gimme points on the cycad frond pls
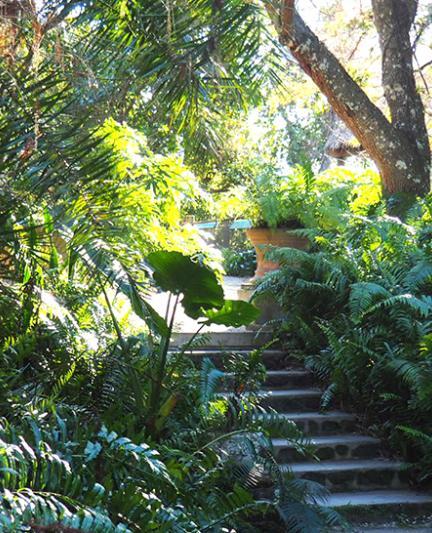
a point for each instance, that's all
(210, 377)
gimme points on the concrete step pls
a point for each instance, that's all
(295, 399)
(272, 359)
(276, 379)
(228, 338)
(331, 447)
(379, 498)
(298, 399)
(292, 378)
(325, 423)
(351, 467)
(390, 529)
(371, 506)
(366, 474)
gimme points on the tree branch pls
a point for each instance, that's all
(399, 159)
(422, 76)
(425, 65)
(348, 100)
(287, 16)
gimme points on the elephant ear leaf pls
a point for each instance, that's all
(234, 313)
(180, 274)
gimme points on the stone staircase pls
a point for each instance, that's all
(351, 465)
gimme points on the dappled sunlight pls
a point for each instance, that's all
(215, 266)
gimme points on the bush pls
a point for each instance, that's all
(241, 263)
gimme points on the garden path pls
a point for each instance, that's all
(364, 482)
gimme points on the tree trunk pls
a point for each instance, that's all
(393, 20)
(400, 148)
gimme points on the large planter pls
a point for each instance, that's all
(263, 238)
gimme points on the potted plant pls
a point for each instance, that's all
(276, 207)
(279, 206)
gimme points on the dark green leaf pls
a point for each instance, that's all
(234, 313)
(179, 274)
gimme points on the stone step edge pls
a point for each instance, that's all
(275, 393)
(287, 373)
(324, 467)
(246, 338)
(378, 498)
(202, 352)
(317, 415)
(328, 440)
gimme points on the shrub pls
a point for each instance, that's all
(240, 263)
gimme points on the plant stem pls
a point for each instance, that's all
(113, 318)
(186, 346)
(157, 385)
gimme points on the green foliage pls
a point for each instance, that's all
(103, 427)
(183, 71)
(81, 206)
(82, 453)
(111, 484)
(302, 199)
(202, 297)
(234, 313)
(360, 306)
(178, 274)
(240, 263)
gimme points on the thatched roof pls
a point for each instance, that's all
(341, 143)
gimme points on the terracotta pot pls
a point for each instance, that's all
(263, 238)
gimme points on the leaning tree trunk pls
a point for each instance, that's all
(399, 146)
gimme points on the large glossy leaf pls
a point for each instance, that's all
(234, 313)
(180, 274)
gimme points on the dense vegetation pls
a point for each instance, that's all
(359, 307)
(102, 429)
(118, 120)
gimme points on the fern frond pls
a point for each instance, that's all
(420, 306)
(328, 395)
(363, 295)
